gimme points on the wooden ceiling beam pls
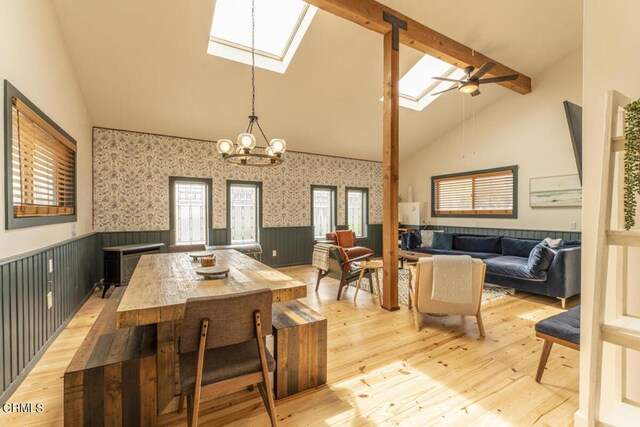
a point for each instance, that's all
(369, 14)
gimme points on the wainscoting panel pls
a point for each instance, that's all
(119, 238)
(218, 236)
(294, 246)
(373, 239)
(510, 232)
(27, 324)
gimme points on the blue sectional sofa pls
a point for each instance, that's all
(507, 262)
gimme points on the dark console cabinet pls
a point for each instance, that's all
(121, 261)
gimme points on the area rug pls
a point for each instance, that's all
(490, 293)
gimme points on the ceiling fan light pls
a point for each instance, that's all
(224, 146)
(469, 87)
(278, 145)
(246, 141)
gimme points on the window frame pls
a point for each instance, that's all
(365, 213)
(334, 213)
(172, 206)
(258, 186)
(12, 222)
(514, 213)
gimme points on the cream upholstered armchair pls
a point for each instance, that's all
(421, 286)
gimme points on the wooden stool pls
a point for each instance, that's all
(300, 348)
(374, 265)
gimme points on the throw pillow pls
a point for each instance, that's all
(540, 259)
(410, 240)
(427, 237)
(442, 241)
(490, 244)
(552, 243)
(345, 238)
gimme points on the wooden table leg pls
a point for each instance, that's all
(378, 286)
(358, 283)
(166, 366)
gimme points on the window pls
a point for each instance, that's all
(323, 210)
(40, 166)
(417, 85)
(486, 193)
(244, 213)
(280, 27)
(357, 210)
(190, 213)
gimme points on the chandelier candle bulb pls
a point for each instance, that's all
(224, 146)
(247, 141)
(278, 145)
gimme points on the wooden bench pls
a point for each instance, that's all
(111, 380)
(300, 346)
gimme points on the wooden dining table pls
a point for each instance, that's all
(162, 283)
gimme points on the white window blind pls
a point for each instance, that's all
(489, 193)
(43, 169)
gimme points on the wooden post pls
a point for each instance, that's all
(390, 162)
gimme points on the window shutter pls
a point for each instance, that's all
(489, 193)
(43, 166)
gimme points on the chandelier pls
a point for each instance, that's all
(245, 152)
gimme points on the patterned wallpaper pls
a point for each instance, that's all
(132, 170)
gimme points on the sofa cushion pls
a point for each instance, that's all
(540, 258)
(514, 266)
(357, 251)
(518, 247)
(565, 326)
(477, 243)
(442, 241)
(571, 243)
(479, 255)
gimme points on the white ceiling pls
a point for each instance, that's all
(142, 65)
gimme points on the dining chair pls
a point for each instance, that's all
(420, 293)
(222, 348)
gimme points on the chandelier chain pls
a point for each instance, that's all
(253, 57)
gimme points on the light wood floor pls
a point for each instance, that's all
(381, 371)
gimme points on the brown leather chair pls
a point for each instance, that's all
(343, 269)
(347, 240)
(222, 347)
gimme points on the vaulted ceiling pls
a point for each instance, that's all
(142, 65)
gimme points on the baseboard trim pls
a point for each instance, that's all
(579, 420)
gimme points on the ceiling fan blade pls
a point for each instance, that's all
(475, 92)
(443, 91)
(483, 70)
(444, 79)
(499, 79)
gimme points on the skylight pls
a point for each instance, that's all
(417, 84)
(280, 27)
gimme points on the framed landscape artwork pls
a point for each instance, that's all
(555, 191)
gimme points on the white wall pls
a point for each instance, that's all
(611, 46)
(33, 57)
(530, 131)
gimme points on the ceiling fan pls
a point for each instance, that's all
(471, 83)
